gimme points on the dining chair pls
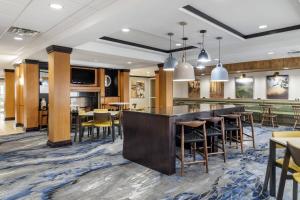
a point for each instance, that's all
(84, 123)
(291, 159)
(267, 115)
(103, 120)
(117, 122)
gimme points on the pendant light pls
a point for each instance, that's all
(203, 55)
(200, 65)
(184, 71)
(170, 62)
(219, 73)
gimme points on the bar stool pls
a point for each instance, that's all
(247, 121)
(268, 116)
(296, 110)
(233, 124)
(193, 137)
(215, 129)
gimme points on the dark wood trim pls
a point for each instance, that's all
(9, 70)
(43, 65)
(234, 31)
(19, 125)
(62, 49)
(160, 65)
(29, 61)
(16, 65)
(31, 129)
(59, 144)
(124, 70)
(142, 76)
(9, 118)
(144, 46)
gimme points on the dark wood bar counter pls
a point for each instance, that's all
(149, 136)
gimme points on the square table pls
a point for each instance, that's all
(271, 168)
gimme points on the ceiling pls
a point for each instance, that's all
(80, 24)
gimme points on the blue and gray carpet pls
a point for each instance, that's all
(96, 170)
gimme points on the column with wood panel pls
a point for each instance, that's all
(165, 88)
(30, 81)
(157, 89)
(9, 98)
(19, 103)
(124, 85)
(59, 133)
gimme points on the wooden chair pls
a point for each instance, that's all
(268, 116)
(103, 120)
(293, 165)
(84, 123)
(247, 121)
(196, 135)
(296, 110)
(233, 124)
(117, 122)
(215, 130)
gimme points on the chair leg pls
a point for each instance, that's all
(295, 124)
(283, 176)
(182, 151)
(272, 120)
(194, 150)
(295, 190)
(223, 148)
(252, 130)
(205, 148)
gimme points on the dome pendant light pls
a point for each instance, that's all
(203, 56)
(219, 73)
(184, 71)
(170, 62)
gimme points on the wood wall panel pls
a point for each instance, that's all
(157, 89)
(59, 99)
(165, 88)
(31, 95)
(217, 90)
(18, 115)
(9, 98)
(124, 86)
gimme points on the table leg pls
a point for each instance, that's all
(273, 168)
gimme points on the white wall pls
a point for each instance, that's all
(180, 89)
(141, 102)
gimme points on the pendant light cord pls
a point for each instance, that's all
(203, 40)
(219, 51)
(183, 41)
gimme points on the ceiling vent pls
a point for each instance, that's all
(294, 52)
(22, 31)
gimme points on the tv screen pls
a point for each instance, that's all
(82, 76)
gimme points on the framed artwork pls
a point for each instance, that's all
(194, 89)
(278, 87)
(244, 87)
(137, 89)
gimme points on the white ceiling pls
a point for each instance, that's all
(81, 23)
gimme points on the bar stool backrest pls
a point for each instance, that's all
(266, 109)
(295, 152)
(296, 110)
(102, 117)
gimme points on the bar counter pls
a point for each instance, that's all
(149, 136)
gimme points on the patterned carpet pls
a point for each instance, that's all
(96, 170)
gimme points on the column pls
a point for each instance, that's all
(59, 133)
(157, 89)
(19, 103)
(124, 85)
(9, 98)
(165, 88)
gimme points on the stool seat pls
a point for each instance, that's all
(192, 124)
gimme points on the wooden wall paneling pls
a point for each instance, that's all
(217, 90)
(17, 96)
(124, 86)
(165, 88)
(9, 97)
(157, 89)
(31, 95)
(101, 74)
(59, 133)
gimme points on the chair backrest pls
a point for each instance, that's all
(100, 110)
(295, 152)
(102, 117)
(296, 110)
(266, 109)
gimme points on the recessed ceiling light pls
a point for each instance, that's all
(56, 6)
(129, 62)
(271, 52)
(18, 38)
(263, 26)
(125, 30)
(178, 45)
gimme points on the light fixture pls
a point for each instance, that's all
(219, 73)
(56, 6)
(203, 55)
(271, 52)
(178, 44)
(263, 26)
(170, 62)
(18, 38)
(125, 30)
(184, 71)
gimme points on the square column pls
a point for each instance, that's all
(59, 96)
(165, 88)
(9, 98)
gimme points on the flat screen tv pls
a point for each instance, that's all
(83, 76)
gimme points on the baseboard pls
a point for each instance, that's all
(31, 129)
(9, 118)
(19, 125)
(59, 144)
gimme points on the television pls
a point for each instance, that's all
(83, 76)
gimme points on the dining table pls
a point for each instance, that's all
(90, 114)
(119, 105)
(270, 177)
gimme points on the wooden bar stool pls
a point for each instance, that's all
(268, 116)
(196, 135)
(215, 130)
(233, 123)
(296, 110)
(247, 121)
